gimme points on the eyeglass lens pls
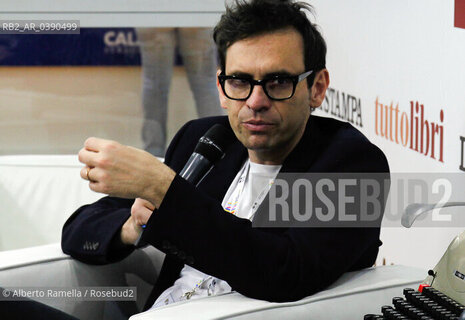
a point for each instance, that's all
(280, 88)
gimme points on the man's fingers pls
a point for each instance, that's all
(93, 144)
(92, 175)
(89, 173)
(130, 231)
(99, 145)
(89, 158)
(141, 210)
(83, 173)
(99, 152)
(146, 204)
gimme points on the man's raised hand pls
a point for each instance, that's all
(123, 171)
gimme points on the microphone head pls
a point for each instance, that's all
(214, 142)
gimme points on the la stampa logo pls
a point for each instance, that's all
(459, 21)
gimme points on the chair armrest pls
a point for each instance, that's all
(352, 296)
(47, 266)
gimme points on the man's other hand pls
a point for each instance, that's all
(141, 211)
(130, 231)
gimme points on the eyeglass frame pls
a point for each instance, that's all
(294, 78)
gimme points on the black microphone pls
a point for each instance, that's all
(209, 149)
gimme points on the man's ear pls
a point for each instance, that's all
(220, 91)
(318, 90)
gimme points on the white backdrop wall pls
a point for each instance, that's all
(387, 56)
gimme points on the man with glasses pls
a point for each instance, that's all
(272, 74)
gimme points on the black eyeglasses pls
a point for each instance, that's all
(276, 87)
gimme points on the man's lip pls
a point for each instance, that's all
(257, 125)
(257, 122)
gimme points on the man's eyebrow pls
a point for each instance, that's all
(282, 73)
(266, 76)
(241, 75)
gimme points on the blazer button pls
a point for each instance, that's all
(165, 245)
(190, 260)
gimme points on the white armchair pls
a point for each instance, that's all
(38, 193)
(352, 296)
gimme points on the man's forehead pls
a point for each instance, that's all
(275, 52)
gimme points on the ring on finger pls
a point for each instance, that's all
(87, 174)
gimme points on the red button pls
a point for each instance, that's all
(420, 288)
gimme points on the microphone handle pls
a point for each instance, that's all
(196, 168)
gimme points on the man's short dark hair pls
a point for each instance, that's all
(246, 18)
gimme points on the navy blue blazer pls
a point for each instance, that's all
(191, 227)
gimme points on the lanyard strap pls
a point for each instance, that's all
(232, 205)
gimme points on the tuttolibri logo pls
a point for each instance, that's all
(411, 130)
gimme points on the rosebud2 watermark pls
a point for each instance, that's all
(73, 293)
(363, 200)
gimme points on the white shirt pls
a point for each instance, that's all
(243, 197)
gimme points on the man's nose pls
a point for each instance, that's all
(258, 100)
